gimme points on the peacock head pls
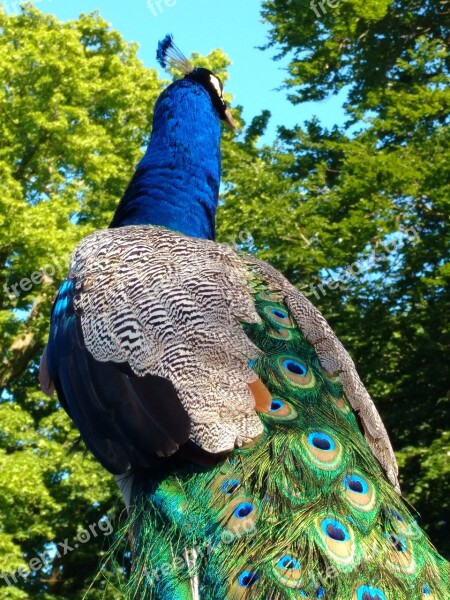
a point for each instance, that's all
(168, 55)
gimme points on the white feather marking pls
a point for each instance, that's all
(216, 84)
(190, 556)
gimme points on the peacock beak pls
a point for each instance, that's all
(229, 119)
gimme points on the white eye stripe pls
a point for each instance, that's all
(215, 83)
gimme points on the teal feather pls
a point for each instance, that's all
(306, 512)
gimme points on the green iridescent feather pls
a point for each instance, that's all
(307, 512)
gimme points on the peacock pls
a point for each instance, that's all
(252, 460)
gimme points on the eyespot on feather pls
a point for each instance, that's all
(243, 584)
(367, 592)
(334, 377)
(225, 488)
(281, 334)
(296, 371)
(427, 594)
(287, 569)
(281, 410)
(271, 296)
(341, 403)
(400, 554)
(278, 316)
(323, 450)
(359, 492)
(239, 517)
(318, 593)
(337, 538)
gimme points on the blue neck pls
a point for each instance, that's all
(176, 184)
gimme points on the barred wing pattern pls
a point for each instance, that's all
(173, 306)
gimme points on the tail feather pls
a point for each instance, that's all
(307, 512)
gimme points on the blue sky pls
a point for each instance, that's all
(200, 26)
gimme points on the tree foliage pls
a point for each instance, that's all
(359, 210)
(75, 106)
(367, 45)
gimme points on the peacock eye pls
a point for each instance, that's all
(288, 562)
(366, 592)
(356, 484)
(247, 579)
(321, 441)
(276, 405)
(335, 530)
(281, 314)
(243, 510)
(399, 543)
(230, 486)
(295, 367)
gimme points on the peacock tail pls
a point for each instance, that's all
(306, 513)
(302, 510)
